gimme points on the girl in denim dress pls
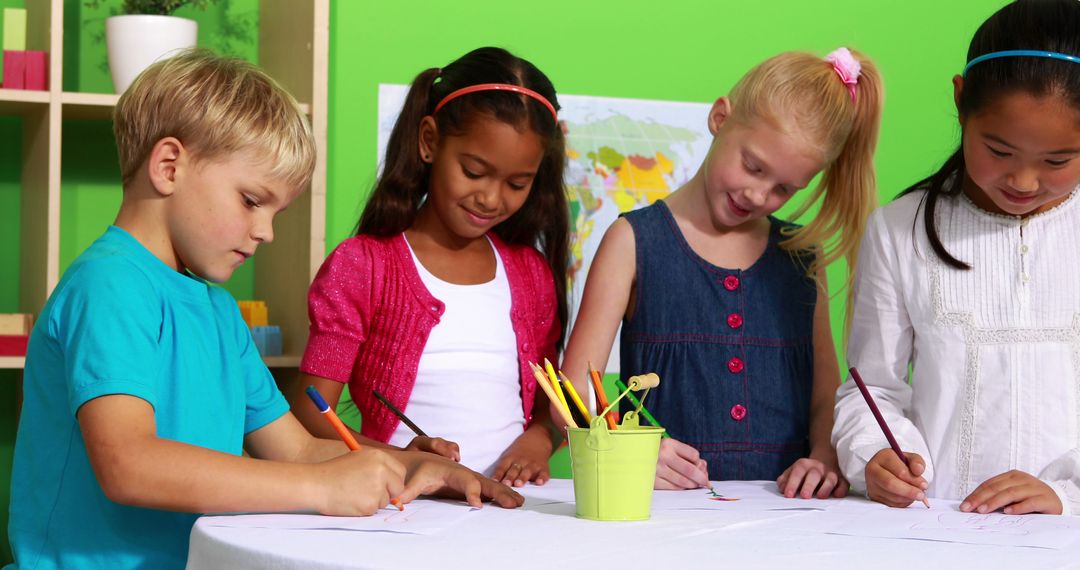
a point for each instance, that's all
(728, 304)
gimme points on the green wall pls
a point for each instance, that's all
(683, 50)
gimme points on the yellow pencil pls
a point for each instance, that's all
(543, 382)
(555, 383)
(574, 396)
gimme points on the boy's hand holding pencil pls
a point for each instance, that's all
(358, 483)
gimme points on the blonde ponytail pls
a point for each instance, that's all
(803, 94)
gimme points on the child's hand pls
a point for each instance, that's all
(680, 467)
(358, 483)
(890, 482)
(436, 445)
(525, 460)
(815, 476)
(1020, 493)
(430, 474)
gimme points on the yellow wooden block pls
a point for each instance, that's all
(16, 324)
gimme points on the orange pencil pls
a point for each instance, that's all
(601, 398)
(339, 427)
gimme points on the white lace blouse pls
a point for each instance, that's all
(994, 351)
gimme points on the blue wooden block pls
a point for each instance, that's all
(267, 340)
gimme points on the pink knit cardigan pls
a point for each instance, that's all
(371, 316)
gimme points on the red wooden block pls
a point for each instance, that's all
(37, 68)
(11, 345)
(14, 70)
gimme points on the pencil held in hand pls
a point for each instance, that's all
(401, 415)
(343, 432)
(881, 422)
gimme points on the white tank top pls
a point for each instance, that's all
(468, 386)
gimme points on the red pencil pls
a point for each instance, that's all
(881, 422)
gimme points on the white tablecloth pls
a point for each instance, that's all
(750, 534)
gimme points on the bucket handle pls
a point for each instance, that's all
(636, 383)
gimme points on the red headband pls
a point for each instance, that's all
(498, 87)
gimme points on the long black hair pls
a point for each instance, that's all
(1049, 25)
(544, 220)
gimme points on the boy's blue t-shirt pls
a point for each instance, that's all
(122, 322)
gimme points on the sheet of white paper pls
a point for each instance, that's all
(735, 496)
(944, 522)
(554, 491)
(422, 517)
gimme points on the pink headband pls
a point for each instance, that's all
(498, 87)
(847, 67)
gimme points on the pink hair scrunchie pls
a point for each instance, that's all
(847, 67)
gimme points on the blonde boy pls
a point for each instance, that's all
(142, 383)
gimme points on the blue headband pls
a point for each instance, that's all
(1019, 53)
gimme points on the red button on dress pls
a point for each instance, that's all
(734, 320)
(735, 365)
(738, 412)
(731, 283)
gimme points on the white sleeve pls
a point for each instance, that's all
(1063, 476)
(880, 348)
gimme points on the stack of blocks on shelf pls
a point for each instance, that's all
(15, 333)
(267, 338)
(22, 69)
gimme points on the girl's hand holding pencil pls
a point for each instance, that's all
(436, 445)
(429, 474)
(890, 482)
(680, 467)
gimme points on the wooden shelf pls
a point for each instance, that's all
(88, 105)
(17, 362)
(99, 106)
(22, 102)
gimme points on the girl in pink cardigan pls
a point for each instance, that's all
(441, 299)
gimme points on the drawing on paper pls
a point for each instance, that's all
(992, 523)
(712, 495)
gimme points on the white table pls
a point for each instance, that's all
(546, 534)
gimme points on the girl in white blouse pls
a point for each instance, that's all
(971, 279)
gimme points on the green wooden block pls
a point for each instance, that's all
(15, 29)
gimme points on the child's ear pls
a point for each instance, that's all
(719, 114)
(166, 158)
(429, 139)
(958, 90)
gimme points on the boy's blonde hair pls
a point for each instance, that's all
(215, 106)
(802, 94)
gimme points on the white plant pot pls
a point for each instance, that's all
(136, 41)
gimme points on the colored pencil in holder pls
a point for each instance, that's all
(555, 383)
(601, 398)
(542, 380)
(568, 387)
